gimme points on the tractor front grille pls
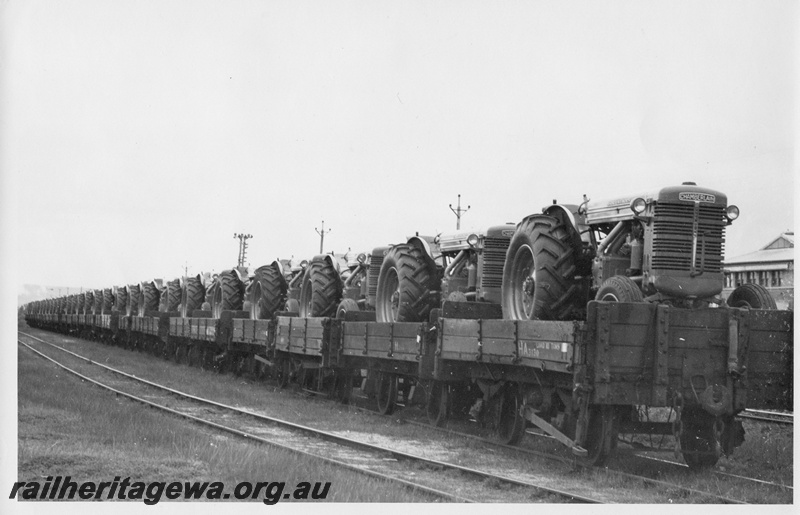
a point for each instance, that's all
(375, 262)
(494, 257)
(672, 237)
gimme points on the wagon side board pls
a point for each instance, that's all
(649, 354)
(505, 349)
(393, 347)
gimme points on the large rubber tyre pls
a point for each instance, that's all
(619, 289)
(267, 292)
(149, 298)
(108, 301)
(121, 300)
(229, 293)
(193, 294)
(171, 296)
(406, 283)
(88, 302)
(134, 294)
(751, 296)
(346, 306)
(321, 289)
(97, 307)
(539, 271)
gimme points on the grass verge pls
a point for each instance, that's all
(68, 428)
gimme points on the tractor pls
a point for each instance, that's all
(418, 275)
(329, 285)
(664, 247)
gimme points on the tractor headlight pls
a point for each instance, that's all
(472, 240)
(638, 205)
(732, 213)
(303, 263)
(362, 258)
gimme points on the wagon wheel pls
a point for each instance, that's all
(602, 434)
(237, 364)
(284, 372)
(181, 353)
(387, 392)
(343, 386)
(509, 424)
(192, 357)
(169, 349)
(438, 402)
(699, 444)
(405, 391)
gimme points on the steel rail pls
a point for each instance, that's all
(719, 473)
(243, 434)
(336, 438)
(767, 416)
(573, 461)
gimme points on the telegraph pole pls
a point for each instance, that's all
(242, 246)
(458, 212)
(321, 235)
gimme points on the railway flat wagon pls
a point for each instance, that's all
(585, 382)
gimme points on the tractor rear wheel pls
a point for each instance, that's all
(267, 293)
(193, 293)
(108, 301)
(149, 298)
(120, 301)
(752, 296)
(134, 295)
(229, 294)
(539, 271)
(171, 296)
(405, 284)
(321, 289)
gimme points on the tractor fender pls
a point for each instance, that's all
(567, 212)
(241, 273)
(278, 266)
(570, 215)
(423, 245)
(186, 278)
(331, 260)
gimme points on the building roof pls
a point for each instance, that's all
(781, 249)
(785, 240)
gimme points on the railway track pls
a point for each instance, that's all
(565, 462)
(774, 417)
(571, 462)
(410, 470)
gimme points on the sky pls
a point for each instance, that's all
(137, 137)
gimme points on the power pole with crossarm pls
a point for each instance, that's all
(458, 211)
(242, 246)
